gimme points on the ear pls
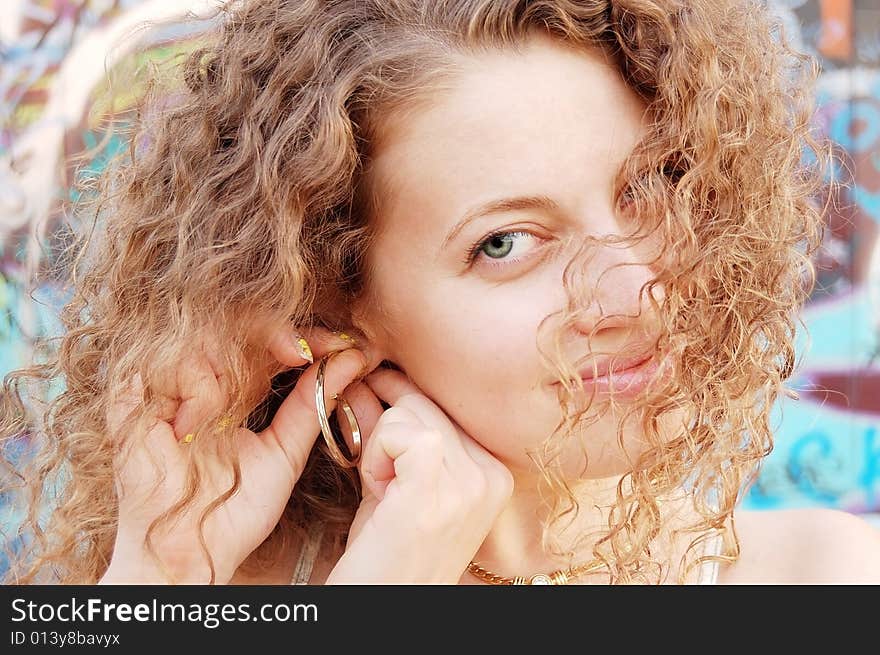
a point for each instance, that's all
(365, 319)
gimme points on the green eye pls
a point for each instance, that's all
(498, 246)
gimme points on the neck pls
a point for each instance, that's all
(514, 545)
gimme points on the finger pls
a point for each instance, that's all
(295, 425)
(322, 342)
(128, 400)
(200, 395)
(397, 389)
(211, 349)
(417, 456)
(408, 454)
(144, 448)
(367, 410)
(376, 467)
(129, 403)
(391, 385)
(296, 347)
(376, 470)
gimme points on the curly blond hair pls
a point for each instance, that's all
(246, 193)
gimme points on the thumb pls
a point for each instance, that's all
(295, 425)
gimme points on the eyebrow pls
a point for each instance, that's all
(518, 203)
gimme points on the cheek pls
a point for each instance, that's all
(460, 346)
(475, 355)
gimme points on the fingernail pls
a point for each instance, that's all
(346, 337)
(189, 437)
(303, 347)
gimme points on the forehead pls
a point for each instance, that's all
(546, 120)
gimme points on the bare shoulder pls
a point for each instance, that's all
(804, 546)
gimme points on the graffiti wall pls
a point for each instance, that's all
(828, 442)
(53, 59)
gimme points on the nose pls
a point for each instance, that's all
(608, 292)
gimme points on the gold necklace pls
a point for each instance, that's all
(562, 576)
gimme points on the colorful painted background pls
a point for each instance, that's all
(53, 56)
(828, 443)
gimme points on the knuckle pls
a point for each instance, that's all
(431, 439)
(415, 402)
(499, 490)
(503, 482)
(478, 485)
(396, 413)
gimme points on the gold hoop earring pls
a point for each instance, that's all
(332, 447)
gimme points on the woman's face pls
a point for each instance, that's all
(527, 144)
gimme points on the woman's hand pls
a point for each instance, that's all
(430, 492)
(152, 468)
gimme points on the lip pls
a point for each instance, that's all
(628, 377)
(603, 367)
